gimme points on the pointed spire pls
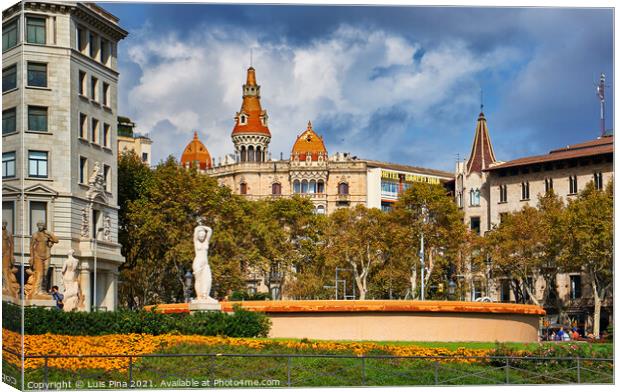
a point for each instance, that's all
(251, 78)
(482, 155)
(251, 119)
(309, 125)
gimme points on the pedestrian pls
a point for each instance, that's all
(575, 334)
(58, 297)
(560, 334)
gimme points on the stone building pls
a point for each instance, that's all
(331, 182)
(59, 143)
(130, 140)
(486, 189)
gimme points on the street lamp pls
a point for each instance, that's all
(488, 264)
(451, 288)
(188, 285)
(424, 220)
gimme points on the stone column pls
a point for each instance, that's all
(111, 285)
(86, 289)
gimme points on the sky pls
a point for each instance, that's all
(399, 84)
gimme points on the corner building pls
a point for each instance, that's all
(59, 138)
(331, 182)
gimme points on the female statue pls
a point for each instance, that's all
(202, 271)
(70, 278)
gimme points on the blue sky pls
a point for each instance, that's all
(399, 84)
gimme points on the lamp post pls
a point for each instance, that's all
(488, 265)
(424, 220)
(188, 285)
(451, 289)
(94, 304)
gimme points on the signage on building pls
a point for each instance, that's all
(407, 177)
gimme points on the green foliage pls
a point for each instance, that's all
(38, 320)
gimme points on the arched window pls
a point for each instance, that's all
(343, 188)
(312, 187)
(242, 119)
(258, 154)
(304, 186)
(320, 210)
(244, 154)
(474, 197)
(296, 186)
(251, 154)
(276, 188)
(320, 187)
(243, 188)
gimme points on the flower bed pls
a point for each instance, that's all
(138, 344)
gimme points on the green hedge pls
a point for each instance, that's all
(241, 323)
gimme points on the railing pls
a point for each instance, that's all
(200, 370)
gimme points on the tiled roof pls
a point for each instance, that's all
(604, 145)
(196, 153)
(251, 110)
(309, 143)
(482, 155)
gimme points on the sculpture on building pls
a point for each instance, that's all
(84, 223)
(41, 244)
(107, 228)
(200, 266)
(73, 296)
(10, 286)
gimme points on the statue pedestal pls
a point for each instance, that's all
(205, 305)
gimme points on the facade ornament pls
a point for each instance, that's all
(84, 223)
(10, 286)
(96, 183)
(107, 227)
(40, 253)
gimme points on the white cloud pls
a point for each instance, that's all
(195, 84)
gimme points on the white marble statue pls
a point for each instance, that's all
(202, 271)
(73, 297)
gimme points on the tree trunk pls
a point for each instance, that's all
(597, 309)
(414, 282)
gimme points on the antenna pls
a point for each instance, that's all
(600, 92)
(481, 100)
(250, 57)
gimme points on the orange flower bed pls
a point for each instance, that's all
(138, 344)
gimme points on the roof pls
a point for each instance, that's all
(411, 169)
(196, 153)
(309, 143)
(482, 155)
(251, 118)
(600, 146)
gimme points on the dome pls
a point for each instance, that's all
(309, 143)
(251, 119)
(196, 155)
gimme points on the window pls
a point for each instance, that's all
(320, 210)
(8, 121)
(505, 291)
(242, 119)
(525, 190)
(105, 51)
(37, 118)
(320, 186)
(572, 185)
(35, 30)
(9, 78)
(83, 169)
(474, 197)
(82, 83)
(106, 135)
(296, 186)
(83, 125)
(575, 286)
(304, 186)
(243, 188)
(9, 35)
(37, 74)
(276, 189)
(474, 224)
(96, 223)
(107, 178)
(477, 290)
(37, 164)
(503, 193)
(94, 131)
(80, 39)
(312, 186)
(94, 84)
(548, 185)
(343, 188)
(598, 180)
(8, 215)
(502, 216)
(8, 164)
(389, 188)
(94, 50)
(38, 213)
(106, 90)
(145, 157)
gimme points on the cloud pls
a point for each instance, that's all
(367, 92)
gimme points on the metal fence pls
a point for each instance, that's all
(199, 370)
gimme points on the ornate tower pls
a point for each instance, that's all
(196, 155)
(251, 135)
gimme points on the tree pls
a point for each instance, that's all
(589, 242)
(427, 208)
(356, 238)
